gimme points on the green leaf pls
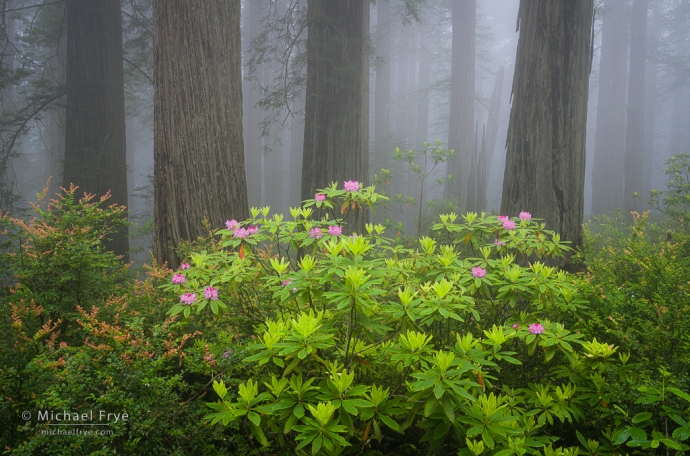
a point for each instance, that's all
(258, 433)
(448, 409)
(642, 416)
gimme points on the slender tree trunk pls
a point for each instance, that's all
(545, 160)
(634, 143)
(462, 91)
(252, 114)
(489, 137)
(198, 149)
(95, 142)
(336, 124)
(482, 173)
(54, 137)
(654, 34)
(296, 150)
(609, 139)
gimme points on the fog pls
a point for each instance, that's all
(410, 78)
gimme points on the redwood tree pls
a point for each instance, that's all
(545, 160)
(634, 144)
(461, 127)
(609, 138)
(95, 154)
(336, 123)
(198, 150)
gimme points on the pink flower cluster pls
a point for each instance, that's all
(526, 216)
(508, 225)
(351, 186)
(184, 266)
(243, 233)
(320, 197)
(211, 293)
(536, 328)
(478, 272)
(315, 233)
(178, 279)
(188, 298)
(335, 230)
(498, 243)
(286, 283)
(232, 224)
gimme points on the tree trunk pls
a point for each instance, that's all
(198, 154)
(651, 95)
(545, 160)
(54, 137)
(252, 114)
(634, 143)
(609, 138)
(462, 90)
(489, 137)
(95, 142)
(336, 124)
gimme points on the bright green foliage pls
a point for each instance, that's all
(365, 342)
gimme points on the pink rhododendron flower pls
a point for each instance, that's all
(508, 225)
(320, 197)
(315, 233)
(499, 243)
(536, 328)
(178, 279)
(335, 230)
(232, 224)
(211, 293)
(188, 298)
(478, 272)
(184, 266)
(503, 218)
(516, 326)
(253, 230)
(526, 216)
(286, 283)
(241, 233)
(351, 186)
(227, 353)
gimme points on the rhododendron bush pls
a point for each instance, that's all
(351, 342)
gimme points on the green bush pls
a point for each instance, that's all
(355, 344)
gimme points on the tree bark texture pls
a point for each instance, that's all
(198, 149)
(462, 92)
(609, 137)
(545, 160)
(634, 143)
(336, 124)
(95, 141)
(252, 114)
(489, 137)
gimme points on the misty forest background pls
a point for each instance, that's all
(520, 287)
(636, 111)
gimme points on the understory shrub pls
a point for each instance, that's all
(358, 345)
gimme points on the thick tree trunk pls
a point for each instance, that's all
(336, 125)
(462, 91)
(609, 138)
(252, 114)
(198, 150)
(95, 142)
(545, 160)
(634, 136)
